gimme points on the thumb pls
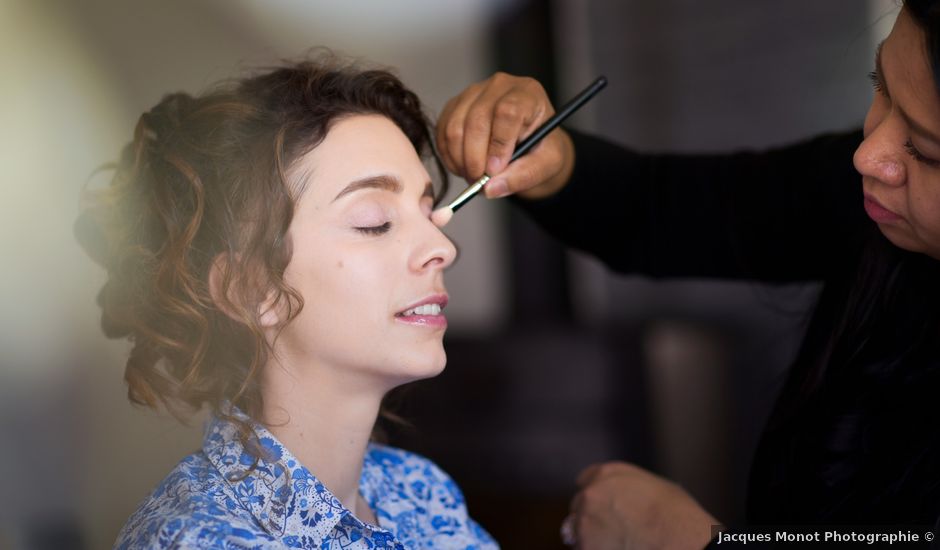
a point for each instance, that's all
(523, 174)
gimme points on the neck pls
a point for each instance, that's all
(324, 424)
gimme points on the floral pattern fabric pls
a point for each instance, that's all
(212, 501)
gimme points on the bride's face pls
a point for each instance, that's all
(366, 259)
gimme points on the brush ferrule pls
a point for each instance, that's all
(468, 193)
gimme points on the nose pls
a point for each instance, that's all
(436, 250)
(881, 155)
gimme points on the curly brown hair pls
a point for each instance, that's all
(204, 186)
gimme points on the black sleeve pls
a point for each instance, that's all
(780, 215)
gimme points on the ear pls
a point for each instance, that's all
(267, 311)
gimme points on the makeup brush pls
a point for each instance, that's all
(443, 215)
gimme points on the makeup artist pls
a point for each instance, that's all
(854, 437)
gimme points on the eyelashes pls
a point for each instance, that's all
(918, 156)
(375, 229)
(876, 82)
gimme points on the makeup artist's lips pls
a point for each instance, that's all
(427, 312)
(879, 213)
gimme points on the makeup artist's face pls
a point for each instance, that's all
(364, 255)
(900, 157)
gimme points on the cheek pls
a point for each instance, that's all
(351, 287)
(345, 309)
(924, 205)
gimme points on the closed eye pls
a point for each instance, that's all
(918, 156)
(375, 229)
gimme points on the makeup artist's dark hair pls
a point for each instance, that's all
(873, 349)
(203, 187)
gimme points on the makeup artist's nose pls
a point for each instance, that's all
(881, 155)
(435, 250)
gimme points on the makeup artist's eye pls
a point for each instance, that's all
(918, 156)
(375, 229)
(876, 82)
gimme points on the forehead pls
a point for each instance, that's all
(908, 69)
(357, 147)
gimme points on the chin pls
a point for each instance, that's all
(435, 365)
(425, 365)
(902, 239)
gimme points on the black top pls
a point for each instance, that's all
(855, 434)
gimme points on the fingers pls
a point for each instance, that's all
(540, 165)
(515, 115)
(479, 129)
(450, 129)
(502, 115)
(477, 134)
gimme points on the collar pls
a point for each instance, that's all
(280, 492)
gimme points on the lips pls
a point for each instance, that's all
(439, 300)
(877, 212)
(425, 312)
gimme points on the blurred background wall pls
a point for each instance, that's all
(554, 362)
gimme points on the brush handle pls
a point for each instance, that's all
(566, 110)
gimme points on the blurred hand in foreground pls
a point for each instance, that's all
(621, 506)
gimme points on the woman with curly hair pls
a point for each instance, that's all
(270, 256)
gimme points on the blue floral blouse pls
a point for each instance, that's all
(207, 501)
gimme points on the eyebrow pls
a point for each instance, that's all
(385, 182)
(880, 75)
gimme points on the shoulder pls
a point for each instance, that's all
(395, 458)
(192, 507)
(419, 471)
(445, 521)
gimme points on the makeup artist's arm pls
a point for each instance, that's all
(786, 214)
